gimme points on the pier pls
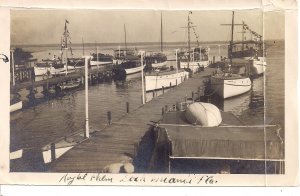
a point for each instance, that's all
(120, 142)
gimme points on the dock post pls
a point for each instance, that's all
(170, 84)
(192, 95)
(162, 111)
(214, 58)
(153, 93)
(127, 107)
(166, 108)
(109, 117)
(52, 147)
(163, 89)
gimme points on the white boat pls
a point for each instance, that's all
(164, 79)
(251, 50)
(196, 58)
(101, 59)
(16, 106)
(160, 64)
(58, 153)
(134, 70)
(69, 85)
(15, 102)
(62, 70)
(230, 85)
(194, 65)
(16, 154)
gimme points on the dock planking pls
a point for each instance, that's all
(118, 143)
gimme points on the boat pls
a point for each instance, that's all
(157, 59)
(42, 68)
(131, 66)
(69, 85)
(195, 59)
(198, 60)
(164, 79)
(251, 51)
(15, 103)
(228, 84)
(101, 59)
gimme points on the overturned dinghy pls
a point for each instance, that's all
(204, 114)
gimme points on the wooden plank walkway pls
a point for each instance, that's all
(118, 142)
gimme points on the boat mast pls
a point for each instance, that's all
(243, 34)
(125, 38)
(231, 42)
(82, 47)
(161, 33)
(189, 40)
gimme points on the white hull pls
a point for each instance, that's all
(16, 154)
(94, 63)
(69, 86)
(134, 70)
(162, 64)
(58, 153)
(63, 71)
(226, 88)
(194, 65)
(16, 106)
(259, 67)
(118, 61)
(40, 71)
(154, 82)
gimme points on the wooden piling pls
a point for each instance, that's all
(52, 149)
(109, 117)
(176, 82)
(162, 111)
(127, 107)
(170, 84)
(192, 95)
(163, 89)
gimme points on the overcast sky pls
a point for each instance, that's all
(47, 26)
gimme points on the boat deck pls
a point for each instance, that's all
(119, 142)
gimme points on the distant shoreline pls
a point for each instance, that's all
(132, 44)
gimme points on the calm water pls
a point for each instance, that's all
(59, 117)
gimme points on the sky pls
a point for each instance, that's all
(47, 26)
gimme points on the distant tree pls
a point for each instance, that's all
(20, 56)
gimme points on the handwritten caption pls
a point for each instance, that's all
(69, 179)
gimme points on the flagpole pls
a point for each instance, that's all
(176, 51)
(13, 68)
(143, 91)
(87, 131)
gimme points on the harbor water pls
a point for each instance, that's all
(61, 116)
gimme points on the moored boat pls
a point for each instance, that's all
(101, 59)
(69, 85)
(164, 79)
(15, 103)
(251, 51)
(230, 85)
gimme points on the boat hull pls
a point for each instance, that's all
(155, 82)
(227, 87)
(16, 106)
(161, 64)
(40, 71)
(134, 70)
(95, 63)
(194, 65)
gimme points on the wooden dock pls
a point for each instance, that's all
(94, 74)
(120, 142)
